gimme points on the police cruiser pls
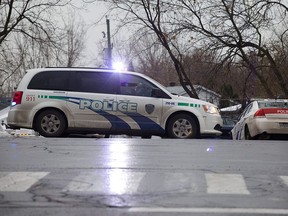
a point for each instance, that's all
(59, 101)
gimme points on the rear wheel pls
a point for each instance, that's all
(51, 123)
(182, 126)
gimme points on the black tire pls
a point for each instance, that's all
(247, 135)
(51, 123)
(182, 126)
(146, 136)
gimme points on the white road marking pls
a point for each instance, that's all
(284, 179)
(211, 210)
(110, 182)
(225, 184)
(19, 181)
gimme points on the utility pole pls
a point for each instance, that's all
(109, 50)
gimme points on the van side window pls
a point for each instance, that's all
(134, 85)
(51, 80)
(96, 82)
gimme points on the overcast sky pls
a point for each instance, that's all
(94, 16)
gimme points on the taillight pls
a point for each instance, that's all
(259, 113)
(17, 98)
(270, 111)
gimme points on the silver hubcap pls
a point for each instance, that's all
(182, 128)
(50, 123)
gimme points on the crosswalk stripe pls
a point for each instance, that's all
(112, 182)
(246, 211)
(19, 181)
(117, 181)
(284, 179)
(225, 184)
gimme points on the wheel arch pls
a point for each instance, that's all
(48, 108)
(184, 112)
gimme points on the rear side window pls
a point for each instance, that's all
(51, 80)
(80, 81)
(95, 82)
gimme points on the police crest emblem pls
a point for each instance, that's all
(149, 108)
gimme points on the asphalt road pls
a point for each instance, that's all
(116, 176)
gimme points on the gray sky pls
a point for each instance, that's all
(94, 17)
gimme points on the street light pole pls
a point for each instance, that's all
(109, 51)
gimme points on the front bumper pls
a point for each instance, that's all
(213, 125)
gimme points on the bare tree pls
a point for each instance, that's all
(40, 47)
(8, 68)
(147, 57)
(239, 27)
(68, 49)
(233, 28)
(153, 16)
(71, 43)
(19, 16)
(154, 61)
(20, 21)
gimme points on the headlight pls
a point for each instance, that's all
(210, 109)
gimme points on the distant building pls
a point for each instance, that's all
(203, 93)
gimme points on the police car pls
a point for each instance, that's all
(59, 101)
(262, 119)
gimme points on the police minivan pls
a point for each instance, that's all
(59, 101)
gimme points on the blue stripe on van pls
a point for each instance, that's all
(145, 123)
(115, 121)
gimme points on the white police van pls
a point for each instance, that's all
(59, 101)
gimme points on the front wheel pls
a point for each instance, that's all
(51, 123)
(182, 126)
